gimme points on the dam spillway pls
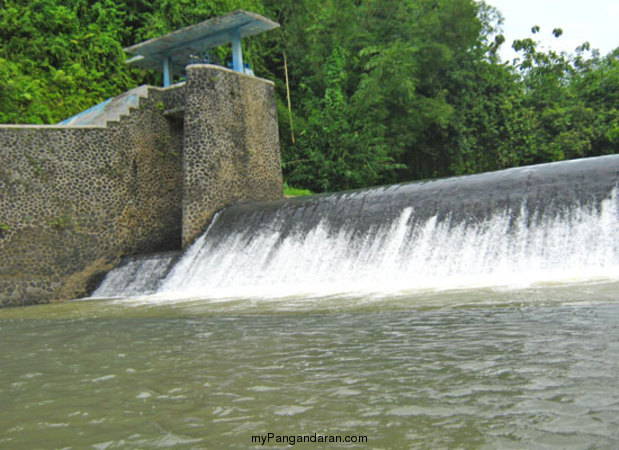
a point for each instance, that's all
(551, 223)
(379, 313)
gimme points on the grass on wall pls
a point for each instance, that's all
(290, 191)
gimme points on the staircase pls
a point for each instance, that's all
(111, 109)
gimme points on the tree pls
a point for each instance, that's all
(382, 90)
(59, 57)
(571, 100)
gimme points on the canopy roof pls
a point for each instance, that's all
(180, 45)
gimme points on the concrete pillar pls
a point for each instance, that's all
(167, 73)
(237, 51)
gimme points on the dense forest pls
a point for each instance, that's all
(381, 90)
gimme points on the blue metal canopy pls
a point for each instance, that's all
(172, 52)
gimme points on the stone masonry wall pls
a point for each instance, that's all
(231, 149)
(73, 199)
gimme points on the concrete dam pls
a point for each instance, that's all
(195, 165)
(527, 226)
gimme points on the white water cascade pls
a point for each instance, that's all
(402, 239)
(396, 257)
(137, 275)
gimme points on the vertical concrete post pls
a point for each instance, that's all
(167, 74)
(237, 51)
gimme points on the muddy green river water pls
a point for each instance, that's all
(535, 368)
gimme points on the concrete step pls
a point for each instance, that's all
(110, 110)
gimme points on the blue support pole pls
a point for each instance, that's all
(237, 52)
(167, 76)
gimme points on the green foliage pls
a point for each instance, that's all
(572, 101)
(338, 148)
(295, 192)
(381, 90)
(60, 57)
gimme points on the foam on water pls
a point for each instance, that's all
(401, 257)
(137, 275)
(544, 225)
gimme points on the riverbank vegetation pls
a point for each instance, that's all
(381, 91)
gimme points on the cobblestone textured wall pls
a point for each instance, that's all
(231, 150)
(73, 199)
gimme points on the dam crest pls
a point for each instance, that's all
(521, 227)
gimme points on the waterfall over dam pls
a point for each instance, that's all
(550, 223)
